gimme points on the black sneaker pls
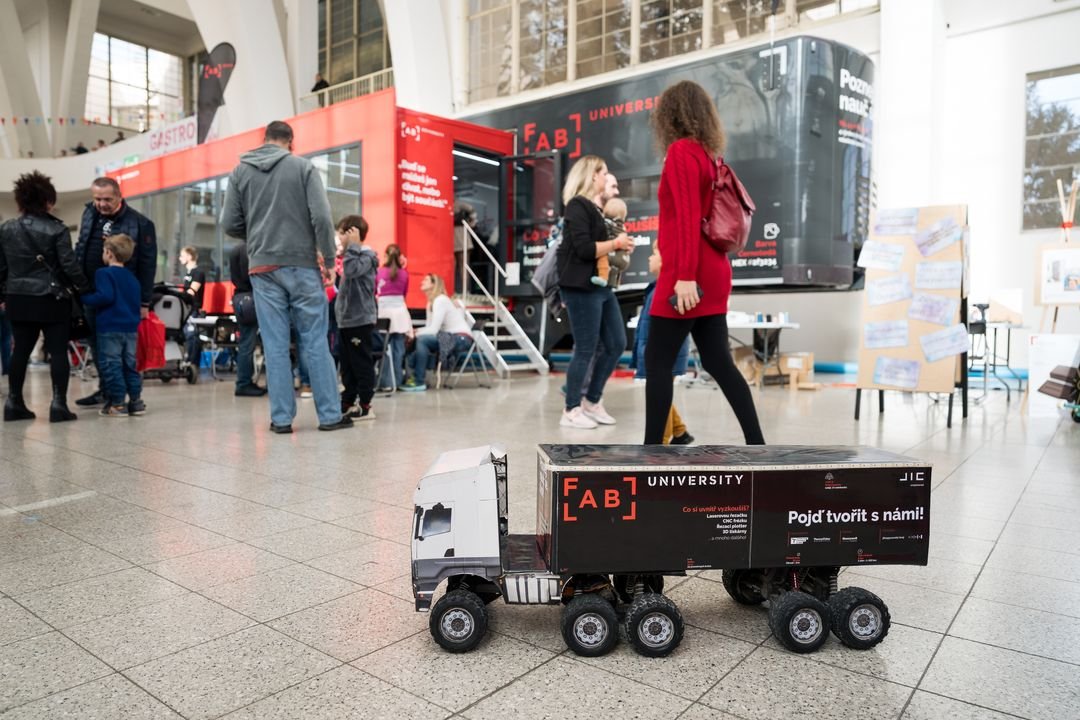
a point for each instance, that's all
(344, 422)
(684, 439)
(136, 407)
(249, 391)
(281, 429)
(98, 398)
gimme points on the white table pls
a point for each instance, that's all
(763, 327)
(990, 357)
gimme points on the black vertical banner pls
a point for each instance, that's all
(213, 77)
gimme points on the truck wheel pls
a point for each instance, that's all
(799, 621)
(459, 621)
(589, 625)
(859, 618)
(654, 625)
(741, 586)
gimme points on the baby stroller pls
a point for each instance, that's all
(173, 307)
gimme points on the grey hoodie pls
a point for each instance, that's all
(276, 201)
(355, 304)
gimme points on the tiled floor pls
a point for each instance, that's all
(190, 564)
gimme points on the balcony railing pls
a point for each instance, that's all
(348, 90)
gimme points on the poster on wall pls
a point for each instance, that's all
(1058, 279)
(912, 336)
(425, 190)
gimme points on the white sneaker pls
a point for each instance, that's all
(576, 418)
(596, 412)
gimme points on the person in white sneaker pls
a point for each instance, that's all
(595, 319)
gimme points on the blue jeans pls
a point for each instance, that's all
(294, 296)
(245, 355)
(597, 326)
(391, 374)
(116, 363)
(682, 360)
(426, 353)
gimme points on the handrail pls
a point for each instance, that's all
(466, 272)
(364, 85)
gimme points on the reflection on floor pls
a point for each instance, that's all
(188, 563)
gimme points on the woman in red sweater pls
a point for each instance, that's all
(692, 290)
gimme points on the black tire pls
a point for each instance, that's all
(589, 625)
(741, 587)
(166, 379)
(859, 618)
(459, 621)
(799, 621)
(653, 624)
(191, 374)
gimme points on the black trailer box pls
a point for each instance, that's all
(668, 509)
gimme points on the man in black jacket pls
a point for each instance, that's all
(108, 214)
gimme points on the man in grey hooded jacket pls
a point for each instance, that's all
(276, 201)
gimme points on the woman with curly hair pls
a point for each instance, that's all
(692, 290)
(35, 255)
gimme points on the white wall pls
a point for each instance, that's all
(983, 120)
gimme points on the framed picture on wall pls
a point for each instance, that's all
(1057, 279)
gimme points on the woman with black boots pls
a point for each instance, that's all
(38, 271)
(692, 290)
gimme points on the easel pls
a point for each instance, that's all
(1068, 212)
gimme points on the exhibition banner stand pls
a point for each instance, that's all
(914, 318)
(1057, 280)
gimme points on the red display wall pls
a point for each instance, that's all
(406, 172)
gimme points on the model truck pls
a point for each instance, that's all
(614, 520)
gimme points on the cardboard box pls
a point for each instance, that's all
(799, 364)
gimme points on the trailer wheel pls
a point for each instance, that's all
(654, 625)
(459, 621)
(859, 618)
(191, 374)
(589, 625)
(741, 587)
(799, 621)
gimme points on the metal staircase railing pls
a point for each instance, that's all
(512, 333)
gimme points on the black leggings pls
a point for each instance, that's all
(357, 364)
(56, 341)
(666, 336)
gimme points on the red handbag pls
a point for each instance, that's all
(727, 226)
(150, 344)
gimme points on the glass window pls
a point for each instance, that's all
(352, 39)
(603, 36)
(200, 227)
(542, 41)
(436, 521)
(132, 86)
(1052, 143)
(491, 37)
(340, 171)
(165, 212)
(669, 27)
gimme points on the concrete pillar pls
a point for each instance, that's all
(302, 44)
(909, 90)
(422, 61)
(70, 98)
(259, 90)
(18, 75)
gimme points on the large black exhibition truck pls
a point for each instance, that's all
(797, 114)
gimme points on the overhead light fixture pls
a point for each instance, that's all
(477, 158)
